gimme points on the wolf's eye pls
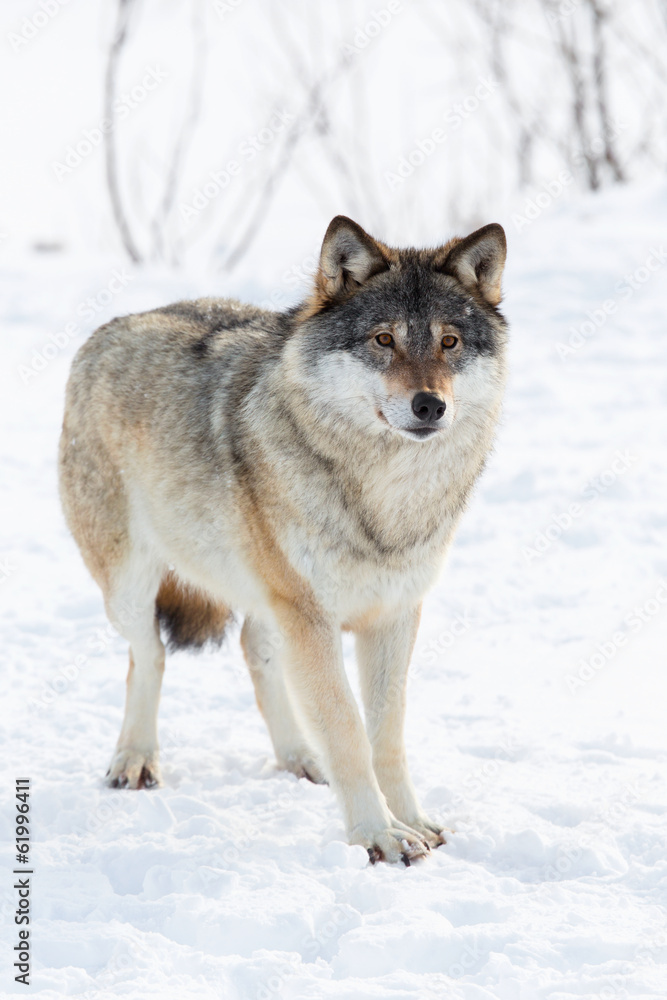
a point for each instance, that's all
(385, 339)
(449, 341)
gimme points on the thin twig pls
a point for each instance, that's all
(184, 139)
(600, 77)
(119, 40)
(308, 117)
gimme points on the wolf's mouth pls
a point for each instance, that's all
(416, 433)
(422, 432)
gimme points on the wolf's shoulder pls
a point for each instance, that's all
(213, 327)
(199, 330)
(197, 324)
(215, 313)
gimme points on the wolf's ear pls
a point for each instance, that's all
(478, 261)
(349, 257)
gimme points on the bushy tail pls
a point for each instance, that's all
(189, 617)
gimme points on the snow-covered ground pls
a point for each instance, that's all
(536, 723)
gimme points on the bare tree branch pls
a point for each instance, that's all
(572, 61)
(119, 40)
(322, 122)
(528, 127)
(186, 133)
(600, 76)
(308, 118)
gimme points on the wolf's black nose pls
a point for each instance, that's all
(428, 407)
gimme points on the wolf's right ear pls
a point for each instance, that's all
(349, 257)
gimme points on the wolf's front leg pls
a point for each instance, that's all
(313, 665)
(383, 654)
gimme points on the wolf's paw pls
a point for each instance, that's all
(432, 832)
(392, 844)
(303, 763)
(132, 768)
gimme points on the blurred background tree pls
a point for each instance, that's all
(266, 119)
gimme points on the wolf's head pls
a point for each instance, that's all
(403, 341)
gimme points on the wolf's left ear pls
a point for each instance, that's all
(478, 261)
(349, 257)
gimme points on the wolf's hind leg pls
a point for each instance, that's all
(260, 647)
(131, 610)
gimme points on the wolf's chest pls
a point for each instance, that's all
(352, 586)
(355, 568)
(375, 536)
(393, 514)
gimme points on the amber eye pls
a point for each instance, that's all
(385, 339)
(449, 341)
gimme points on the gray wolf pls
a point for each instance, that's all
(305, 469)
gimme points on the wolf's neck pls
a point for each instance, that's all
(405, 494)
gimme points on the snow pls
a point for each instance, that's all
(545, 753)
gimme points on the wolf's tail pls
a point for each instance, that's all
(189, 617)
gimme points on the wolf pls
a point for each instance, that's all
(306, 470)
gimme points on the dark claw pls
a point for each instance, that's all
(375, 855)
(146, 779)
(410, 855)
(310, 777)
